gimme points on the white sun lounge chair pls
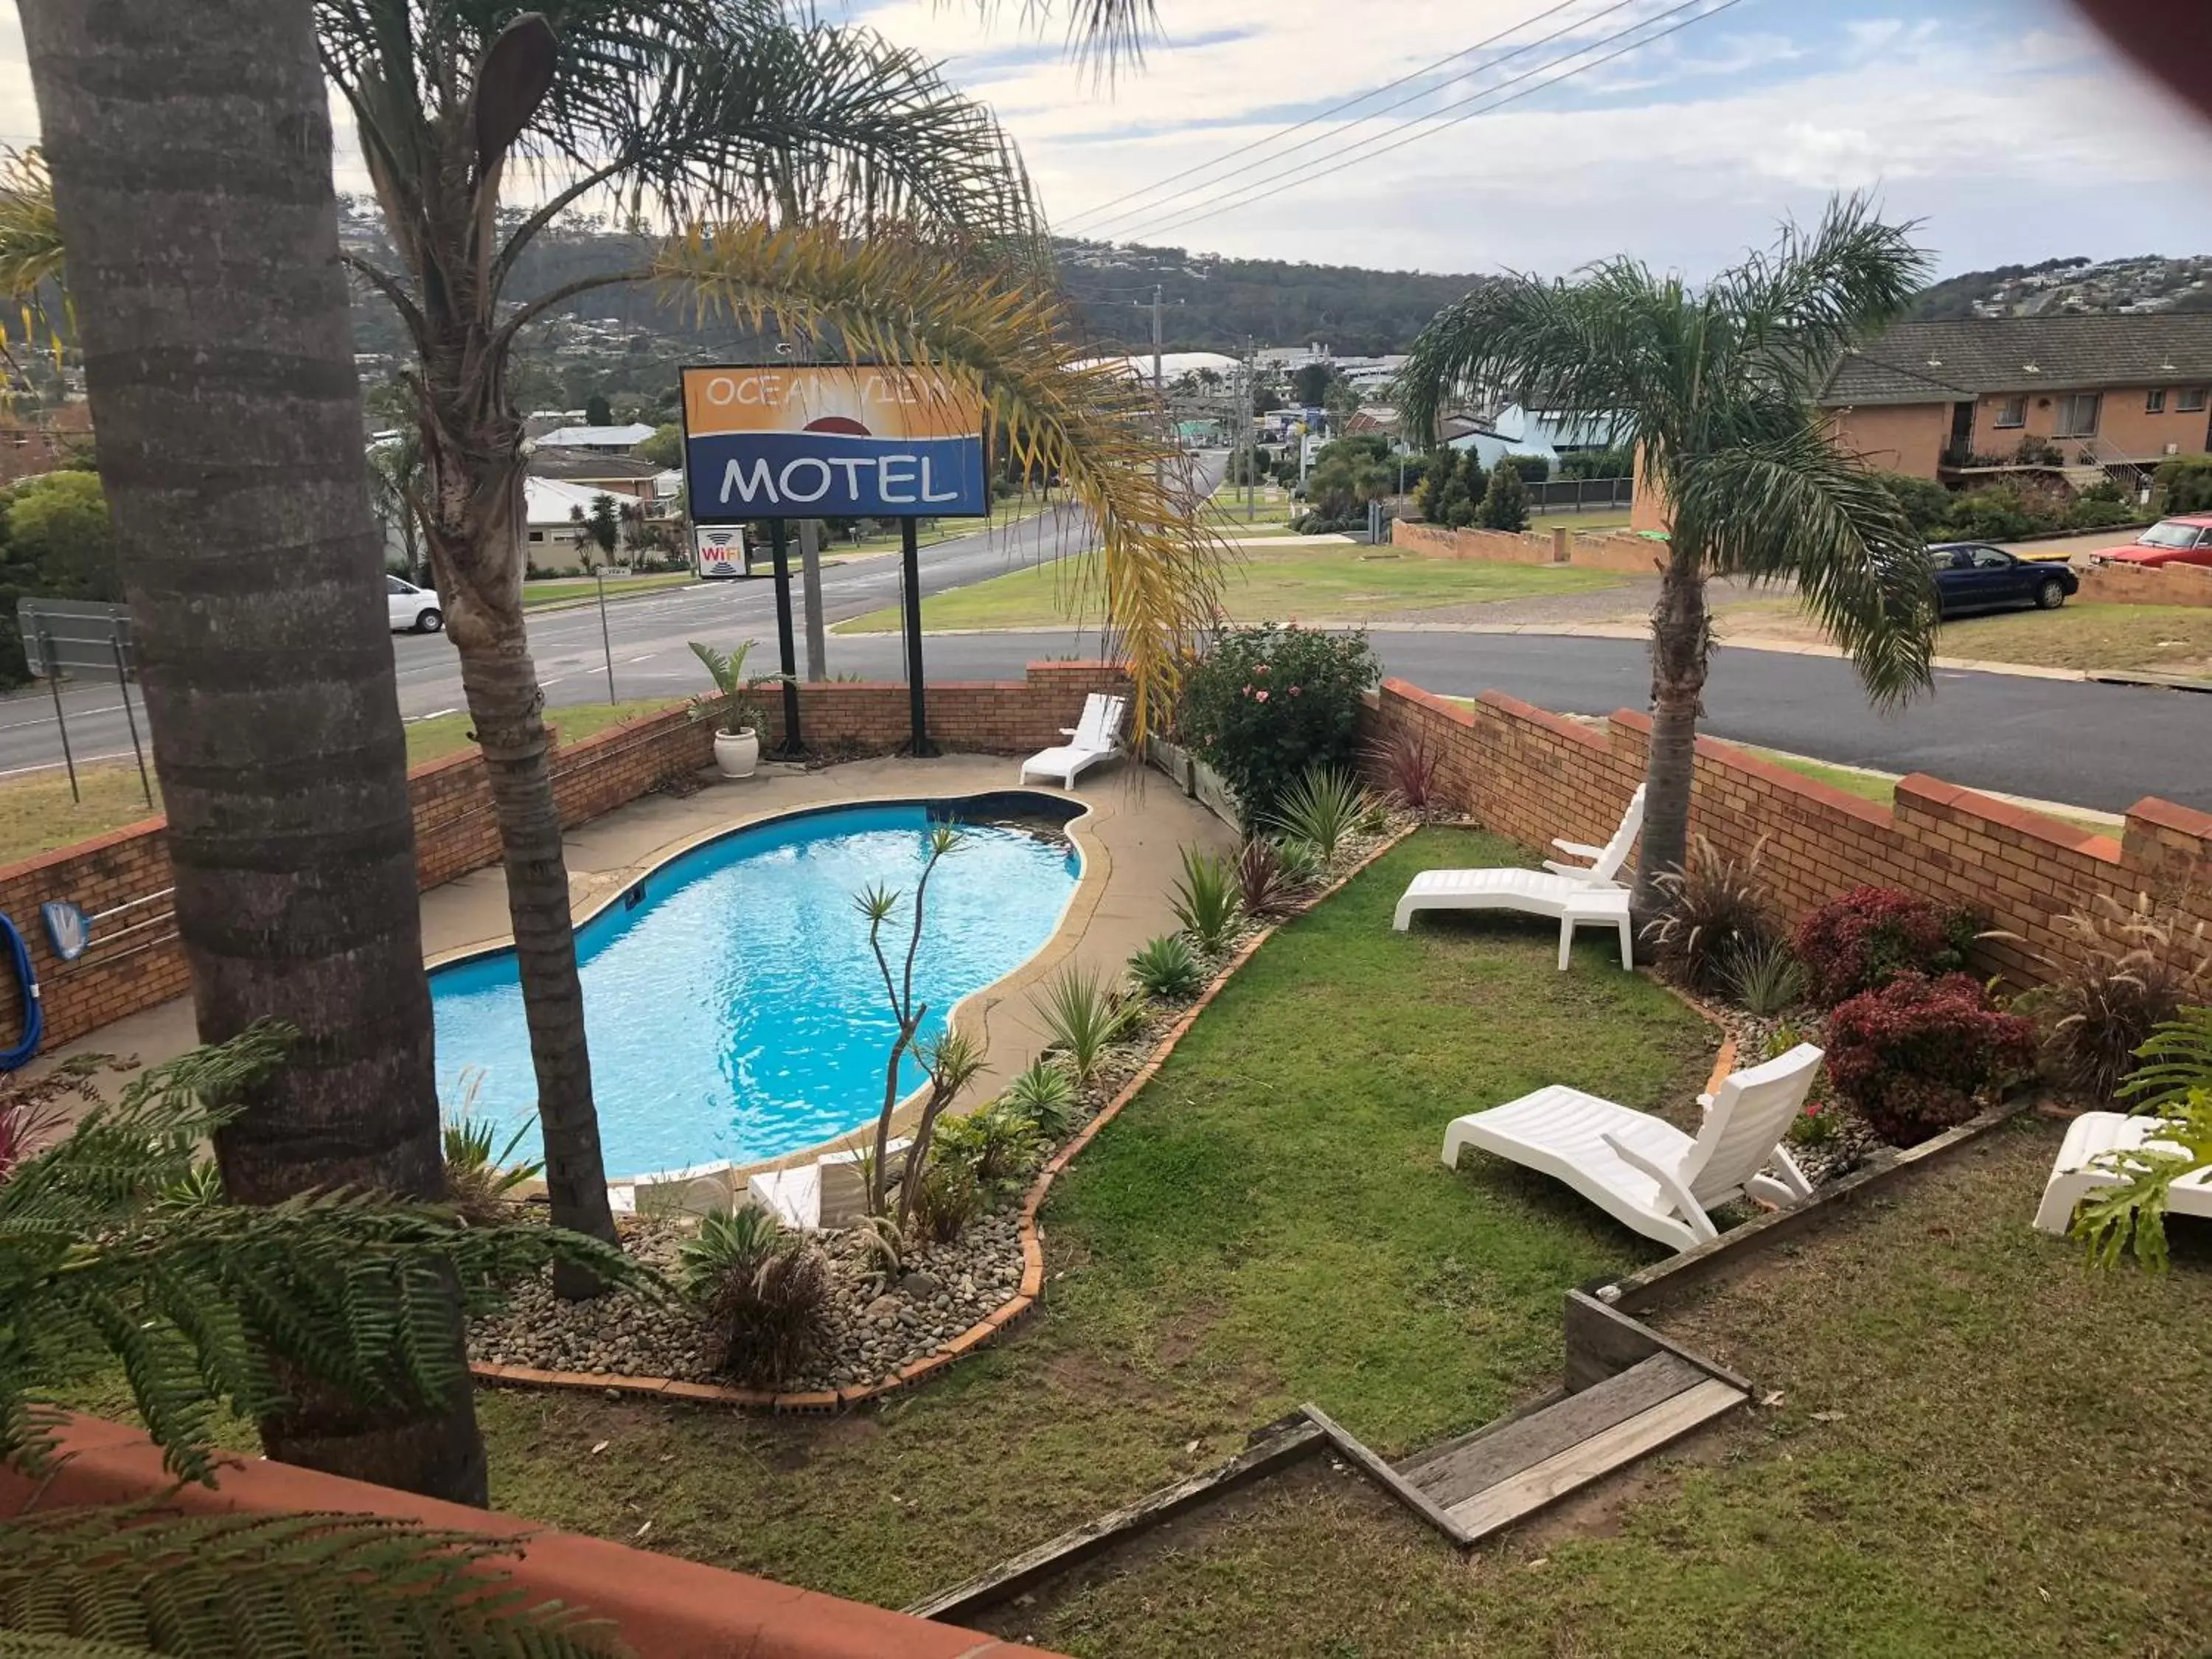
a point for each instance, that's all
(1642, 1170)
(830, 1192)
(1095, 738)
(1575, 894)
(2095, 1133)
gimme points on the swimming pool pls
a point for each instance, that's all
(732, 1007)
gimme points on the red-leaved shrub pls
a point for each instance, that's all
(1870, 935)
(1911, 1056)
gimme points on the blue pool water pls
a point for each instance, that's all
(735, 1011)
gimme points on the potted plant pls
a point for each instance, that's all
(737, 735)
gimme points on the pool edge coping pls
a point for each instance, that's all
(1009, 1313)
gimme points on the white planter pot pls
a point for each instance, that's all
(736, 755)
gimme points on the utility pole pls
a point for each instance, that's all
(1251, 431)
(1159, 391)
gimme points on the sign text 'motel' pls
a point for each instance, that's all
(830, 441)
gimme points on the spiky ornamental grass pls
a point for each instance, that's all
(109, 1243)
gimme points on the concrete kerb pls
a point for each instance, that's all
(1009, 1313)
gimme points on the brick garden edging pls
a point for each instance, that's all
(1008, 1313)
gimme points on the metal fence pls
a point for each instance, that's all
(1581, 495)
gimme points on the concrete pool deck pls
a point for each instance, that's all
(1131, 839)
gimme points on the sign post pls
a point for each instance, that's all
(849, 440)
(786, 655)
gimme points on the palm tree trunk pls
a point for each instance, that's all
(1681, 646)
(191, 150)
(474, 535)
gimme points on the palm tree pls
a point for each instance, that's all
(221, 370)
(1716, 384)
(830, 182)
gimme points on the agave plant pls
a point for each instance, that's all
(1206, 901)
(1168, 967)
(1322, 809)
(1044, 1093)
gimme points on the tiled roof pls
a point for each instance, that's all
(1936, 362)
(547, 461)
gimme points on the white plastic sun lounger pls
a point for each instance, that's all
(827, 1193)
(1573, 894)
(1095, 738)
(1642, 1170)
(2092, 1135)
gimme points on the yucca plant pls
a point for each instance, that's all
(1322, 809)
(1206, 901)
(1080, 1018)
(1763, 977)
(1711, 908)
(1044, 1093)
(1300, 864)
(480, 1180)
(740, 710)
(202, 1303)
(764, 1291)
(1168, 967)
(99, 1583)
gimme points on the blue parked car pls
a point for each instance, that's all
(1975, 576)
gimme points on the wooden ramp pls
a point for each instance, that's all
(1628, 1392)
(1487, 1480)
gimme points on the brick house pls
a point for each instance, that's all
(1952, 399)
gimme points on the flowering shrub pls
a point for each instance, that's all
(1871, 935)
(1911, 1056)
(1266, 705)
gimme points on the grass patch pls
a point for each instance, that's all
(2173, 637)
(1594, 520)
(1881, 788)
(931, 531)
(1337, 583)
(448, 734)
(1267, 1223)
(37, 814)
(540, 593)
(1975, 1453)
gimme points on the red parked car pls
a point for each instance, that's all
(2186, 540)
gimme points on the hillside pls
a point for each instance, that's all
(2076, 286)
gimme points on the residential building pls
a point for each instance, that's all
(1949, 399)
(612, 439)
(553, 536)
(617, 474)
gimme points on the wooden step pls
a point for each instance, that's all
(1554, 1477)
(1451, 1473)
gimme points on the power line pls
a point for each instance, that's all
(1335, 109)
(1426, 127)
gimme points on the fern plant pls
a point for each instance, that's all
(1206, 899)
(201, 1302)
(2175, 1081)
(130, 1580)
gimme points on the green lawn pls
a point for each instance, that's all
(928, 534)
(2173, 637)
(1881, 788)
(37, 816)
(1268, 1223)
(540, 593)
(1334, 583)
(1979, 1450)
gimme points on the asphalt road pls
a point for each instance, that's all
(2090, 745)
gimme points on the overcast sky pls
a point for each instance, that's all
(2006, 125)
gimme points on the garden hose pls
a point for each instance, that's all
(35, 1017)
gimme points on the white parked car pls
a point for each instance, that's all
(414, 609)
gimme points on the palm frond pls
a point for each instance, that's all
(30, 232)
(1790, 505)
(138, 1580)
(897, 300)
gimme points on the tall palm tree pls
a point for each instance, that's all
(191, 150)
(1715, 385)
(829, 182)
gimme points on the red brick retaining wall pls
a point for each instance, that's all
(661, 1606)
(134, 961)
(1533, 776)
